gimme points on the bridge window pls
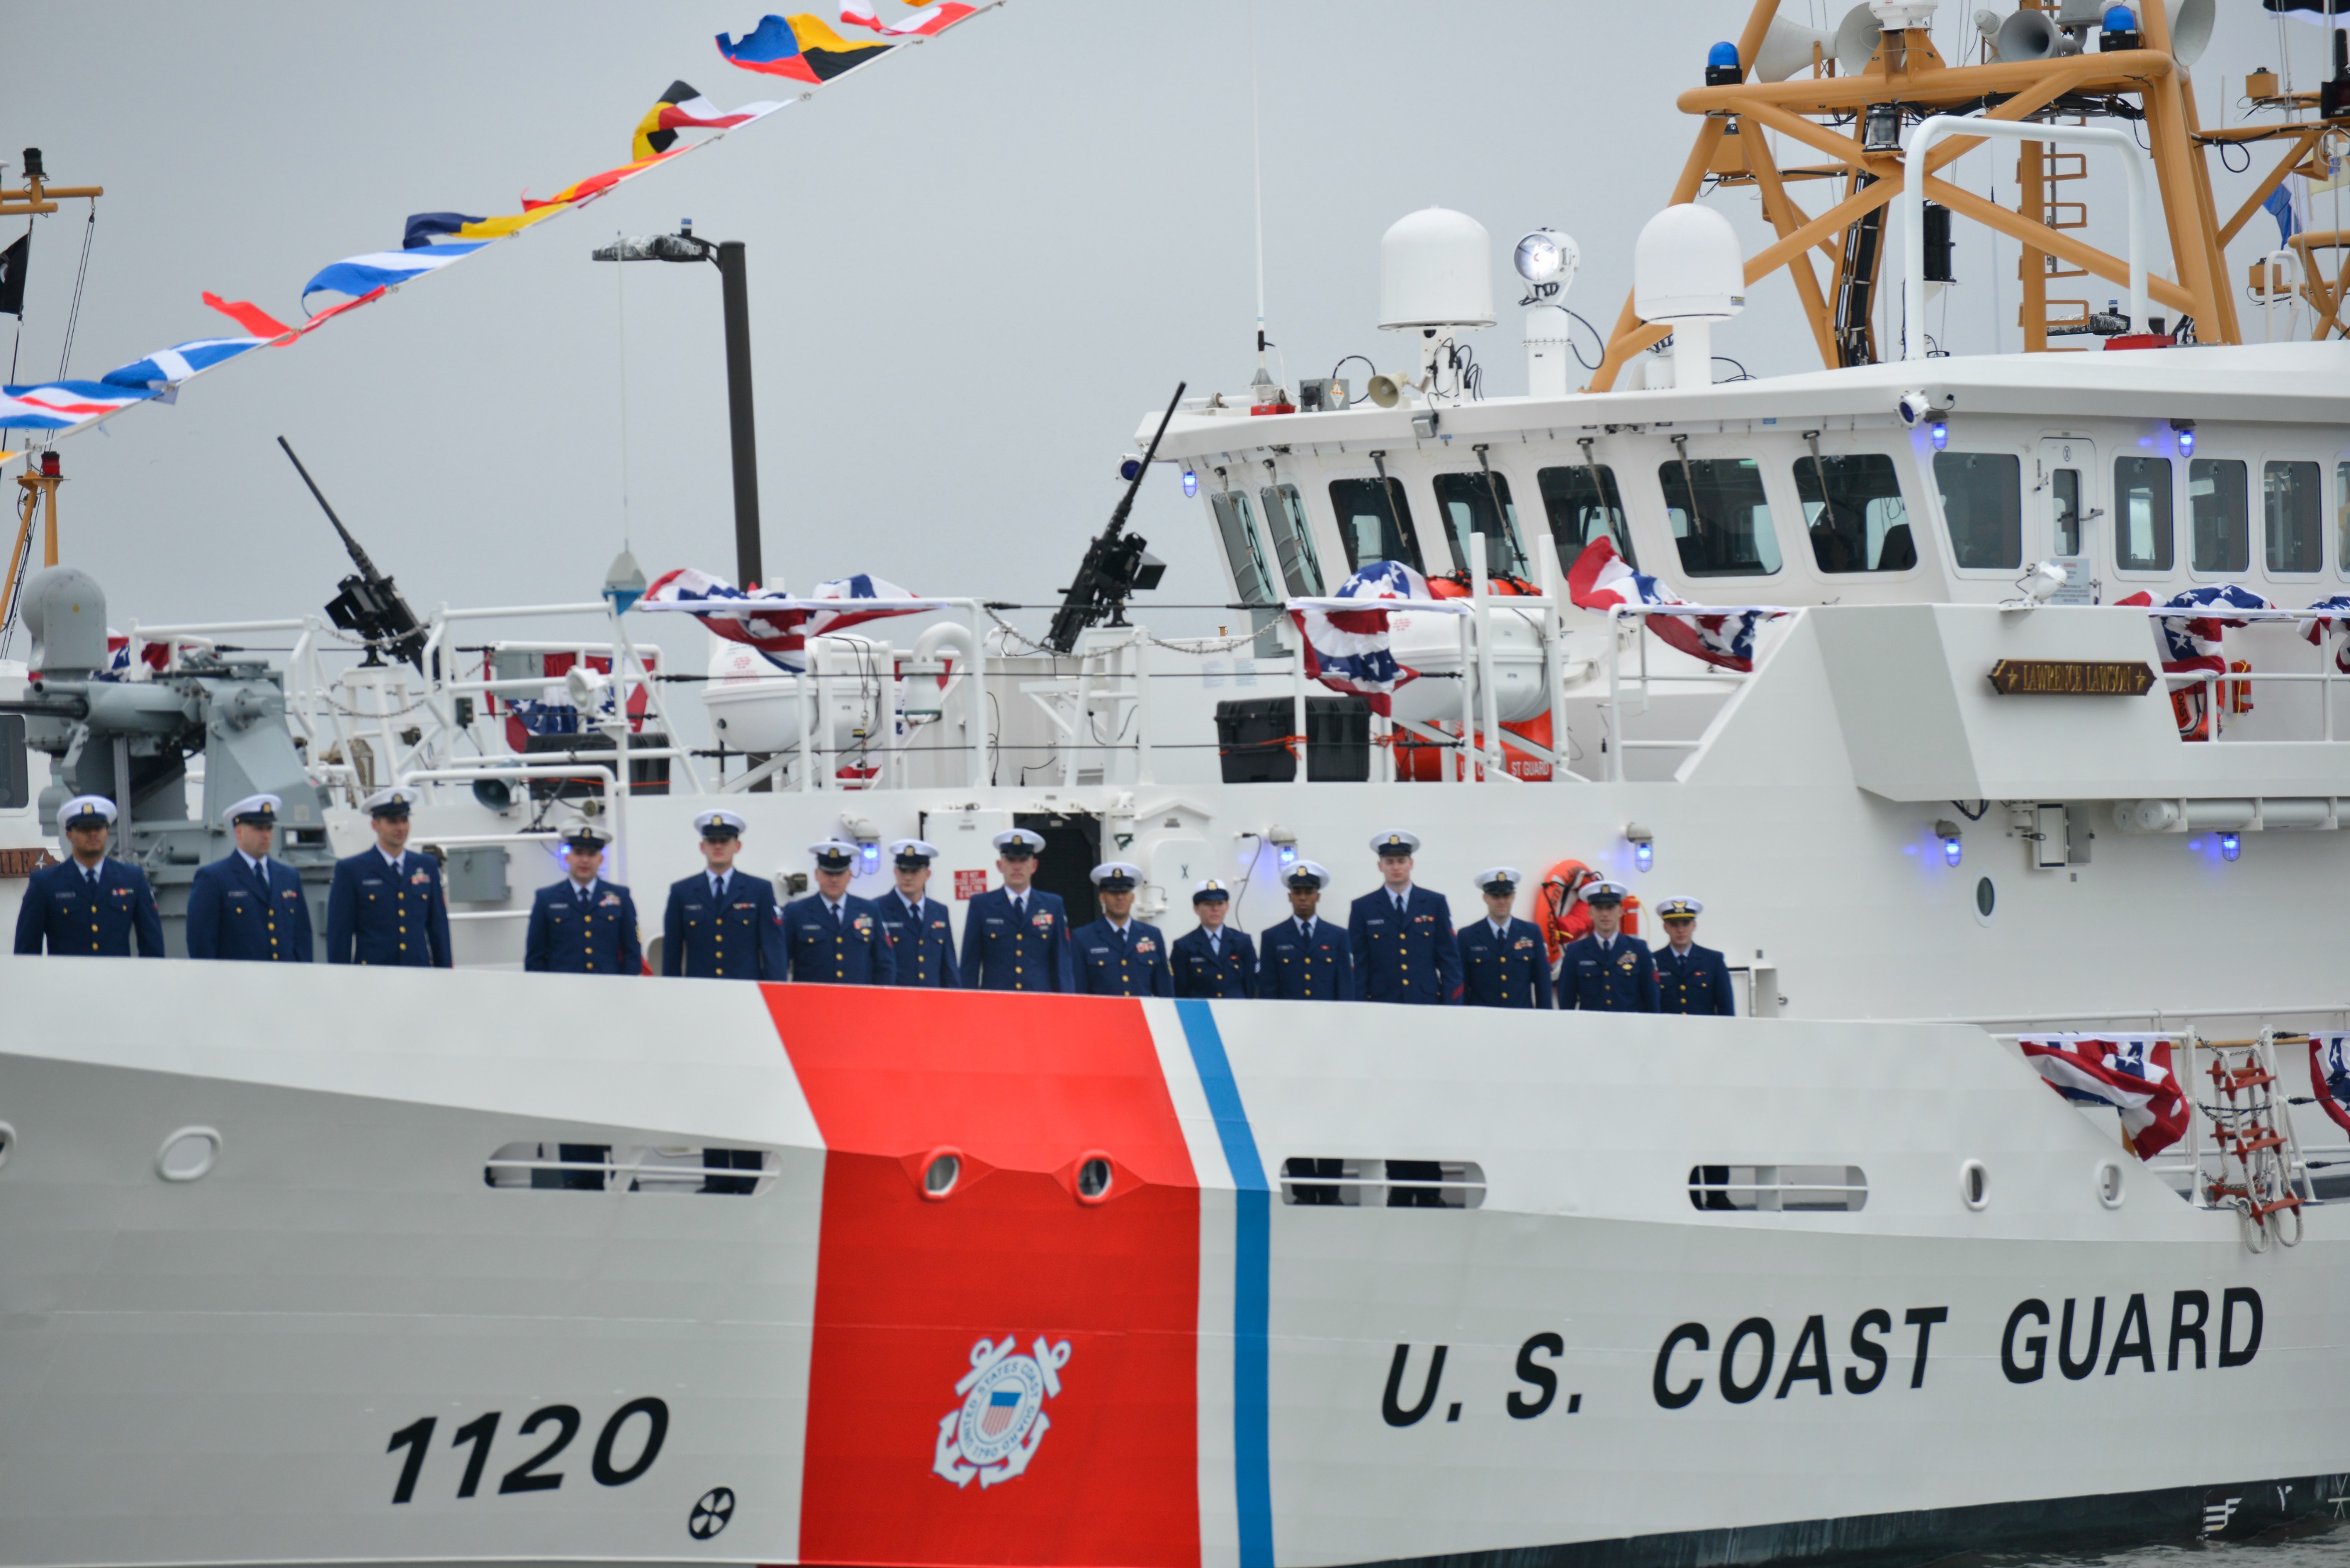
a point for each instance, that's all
(1243, 548)
(2222, 527)
(2290, 512)
(1479, 503)
(1292, 539)
(1583, 504)
(1853, 509)
(1726, 533)
(1982, 506)
(2142, 514)
(1375, 523)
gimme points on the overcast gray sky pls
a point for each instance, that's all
(973, 267)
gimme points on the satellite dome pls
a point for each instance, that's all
(1436, 269)
(1688, 266)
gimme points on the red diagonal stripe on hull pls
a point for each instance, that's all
(1025, 1085)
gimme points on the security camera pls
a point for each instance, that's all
(1915, 408)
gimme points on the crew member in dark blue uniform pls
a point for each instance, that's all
(1016, 937)
(1606, 972)
(583, 924)
(722, 924)
(1119, 955)
(90, 904)
(386, 906)
(1503, 961)
(922, 940)
(1404, 949)
(834, 937)
(244, 905)
(1306, 957)
(1212, 959)
(1691, 979)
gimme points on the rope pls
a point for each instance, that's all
(81, 275)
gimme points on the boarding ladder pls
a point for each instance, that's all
(2262, 1173)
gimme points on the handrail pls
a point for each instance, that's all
(1932, 128)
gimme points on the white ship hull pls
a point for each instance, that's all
(236, 1369)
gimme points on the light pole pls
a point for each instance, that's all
(685, 245)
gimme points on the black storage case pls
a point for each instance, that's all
(1251, 732)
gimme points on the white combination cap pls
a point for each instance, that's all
(1397, 843)
(1680, 909)
(77, 812)
(719, 824)
(1021, 838)
(392, 802)
(254, 806)
(920, 850)
(1117, 876)
(1308, 873)
(1510, 874)
(1604, 892)
(1208, 890)
(833, 853)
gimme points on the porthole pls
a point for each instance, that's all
(1974, 1186)
(1094, 1179)
(188, 1155)
(941, 1174)
(1986, 900)
(2107, 1178)
(7, 1142)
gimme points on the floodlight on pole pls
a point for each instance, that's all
(727, 255)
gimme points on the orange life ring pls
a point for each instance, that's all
(1564, 919)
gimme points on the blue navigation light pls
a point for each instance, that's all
(1942, 437)
(1190, 483)
(1951, 850)
(869, 856)
(1643, 854)
(2186, 442)
(1722, 54)
(2119, 20)
(1288, 856)
(2230, 846)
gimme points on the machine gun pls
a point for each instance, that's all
(1116, 564)
(369, 602)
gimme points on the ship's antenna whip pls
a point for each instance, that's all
(1256, 176)
(620, 303)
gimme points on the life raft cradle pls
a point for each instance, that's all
(2271, 1182)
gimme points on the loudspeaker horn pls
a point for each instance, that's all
(2191, 29)
(2031, 36)
(1787, 48)
(1855, 40)
(1387, 389)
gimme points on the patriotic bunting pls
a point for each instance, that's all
(2329, 1076)
(1346, 648)
(1601, 580)
(2192, 643)
(2332, 615)
(356, 275)
(2130, 1073)
(164, 369)
(773, 621)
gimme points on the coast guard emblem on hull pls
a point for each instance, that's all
(1002, 1422)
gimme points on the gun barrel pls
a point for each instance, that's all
(359, 556)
